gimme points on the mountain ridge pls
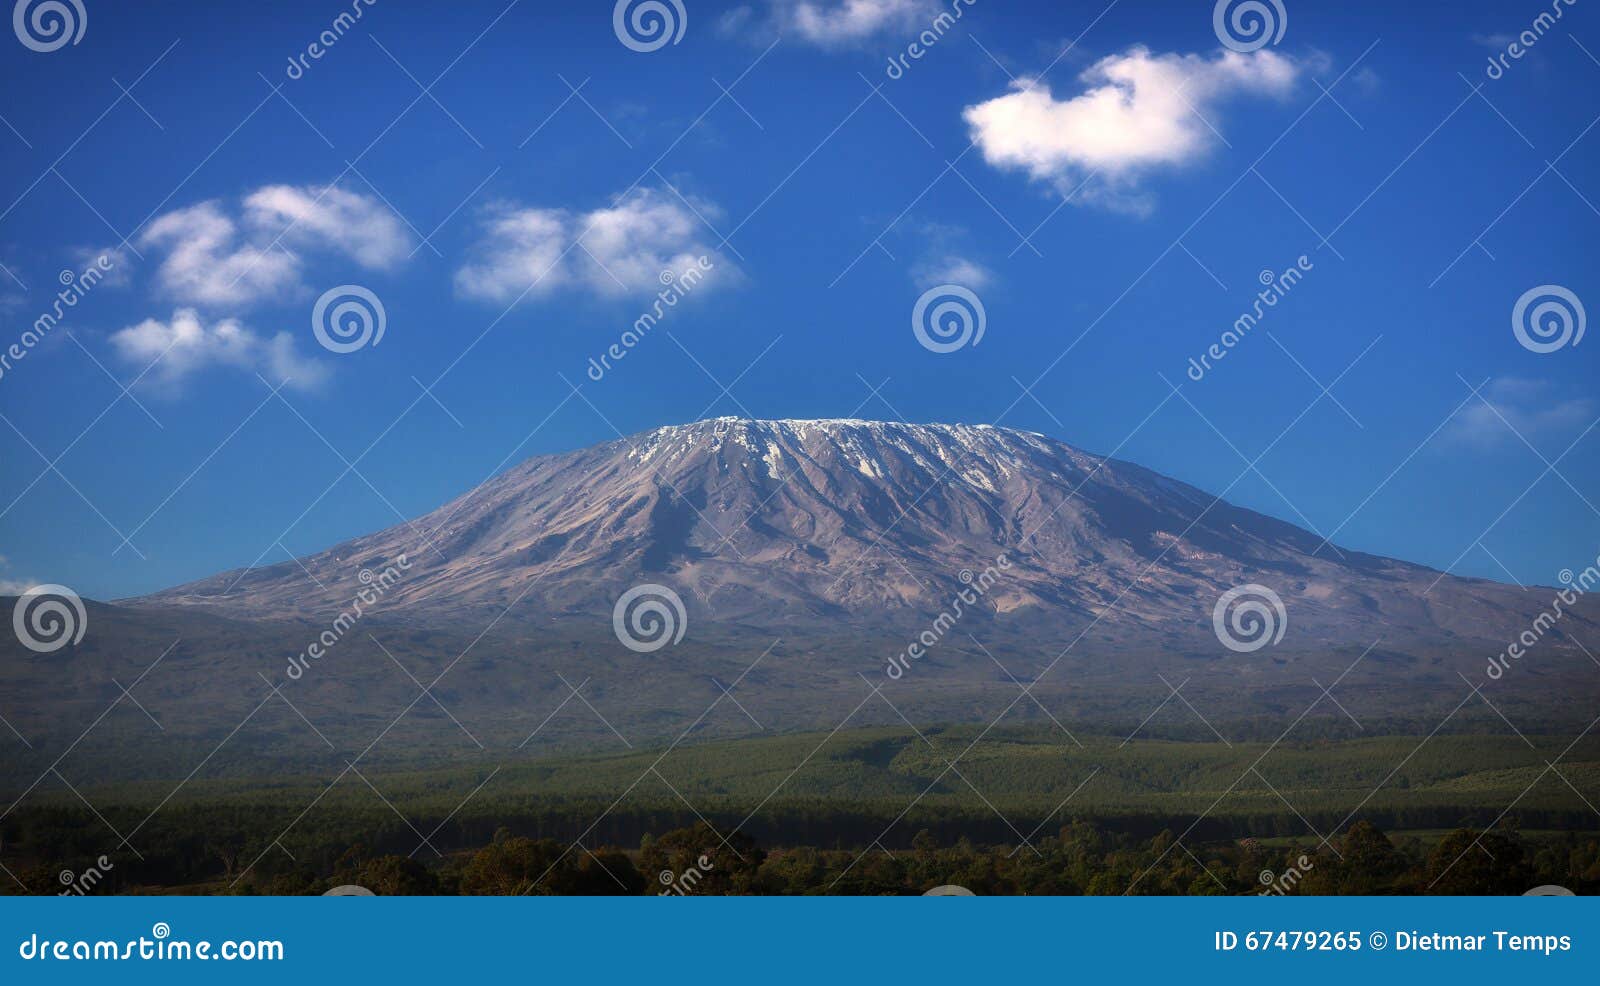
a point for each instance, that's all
(783, 522)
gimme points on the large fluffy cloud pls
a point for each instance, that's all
(185, 345)
(623, 248)
(220, 257)
(1139, 112)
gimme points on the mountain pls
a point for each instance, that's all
(776, 524)
(786, 561)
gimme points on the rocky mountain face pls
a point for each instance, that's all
(804, 556)
(774, 524)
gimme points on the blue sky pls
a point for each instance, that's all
(1111, 200)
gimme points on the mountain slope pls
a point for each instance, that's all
(788, 523)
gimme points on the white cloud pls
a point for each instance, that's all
(13, 586)
(1139, 112)
(830, 23)
(358, 226)
(217, 258)
(1531, 407)
(185, 346)
(850, 21)
(624, 249)
(951, 269)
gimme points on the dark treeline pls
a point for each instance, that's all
(231, 850)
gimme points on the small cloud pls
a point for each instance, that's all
(114, 265)
(10, 585)
(215, 256)
(1512, 406)
(1367, 80)
(1495, 42)
(951, 269)
(1139, 112)
(621, 249)
(828, 23)
(185, 346)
